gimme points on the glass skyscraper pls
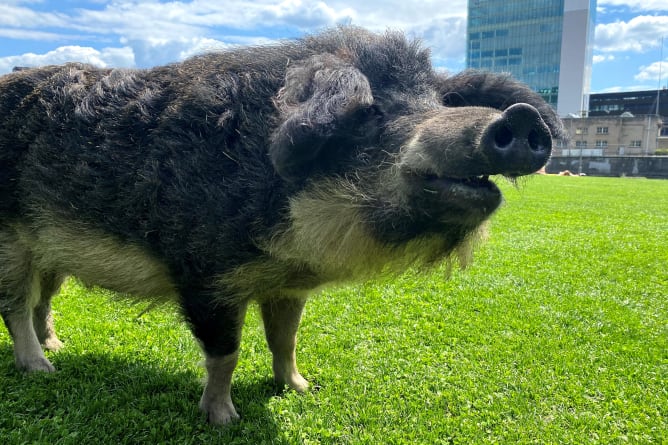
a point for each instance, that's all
(544, 43)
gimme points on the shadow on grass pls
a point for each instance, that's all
(95, 397)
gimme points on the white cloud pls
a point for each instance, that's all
(445, 38)
(620, 89)
(639, 34)
(603, 58)
(18, 16)
(18, 2)
(29, 34)
(157, 51)
(203, 45)
(136, 19)
(116, 57)
(162, 32)
(653, 71)
(308, 13)
(636, 5)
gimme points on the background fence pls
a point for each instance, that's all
(645, 166)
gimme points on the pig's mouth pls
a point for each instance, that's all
(473, 181)
(437, 184)
(474, 193)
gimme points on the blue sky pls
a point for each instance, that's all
(143, 33)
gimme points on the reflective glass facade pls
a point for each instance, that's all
(524, 38)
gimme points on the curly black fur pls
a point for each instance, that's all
(259, 172)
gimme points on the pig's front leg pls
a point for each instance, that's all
(218, 328)
(216, 400)
(281, 320)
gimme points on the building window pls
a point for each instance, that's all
(581, 144)
(601, 143)
(582, 130)
(515, 51)
(601, 130)
(488, 34)
(636, 144)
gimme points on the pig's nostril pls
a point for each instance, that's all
(536, 141)
(503, 137)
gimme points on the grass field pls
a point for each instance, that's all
(557, 334)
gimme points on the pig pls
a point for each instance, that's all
(257, 174)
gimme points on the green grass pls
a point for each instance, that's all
(557, 334)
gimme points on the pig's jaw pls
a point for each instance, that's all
(468, 193)
(464, 201)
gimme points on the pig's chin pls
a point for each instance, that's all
(473, 195)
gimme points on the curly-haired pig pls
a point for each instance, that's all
(254, 174)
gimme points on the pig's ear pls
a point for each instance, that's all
(318, 96)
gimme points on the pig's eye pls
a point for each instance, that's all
(372, 112)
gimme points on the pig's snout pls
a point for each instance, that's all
(518, 142)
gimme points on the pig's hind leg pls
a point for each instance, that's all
(281, 319)
(20, 293)
(42, 318)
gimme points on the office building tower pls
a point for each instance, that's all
(544, 43)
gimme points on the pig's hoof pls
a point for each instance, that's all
(298, 383)
(52, 344)
(295, 381)
(35, 364)
(219, 414)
